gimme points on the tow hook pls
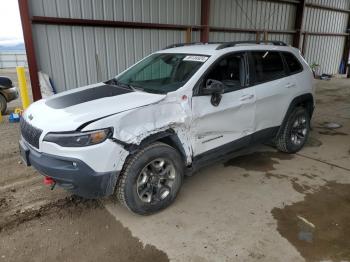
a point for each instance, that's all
(50, 181)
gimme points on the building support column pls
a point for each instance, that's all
(29, 44)
(346, 52)
(205, 10)
(303, 48)
(188, 35)
(298, 24)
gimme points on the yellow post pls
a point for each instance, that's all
(0, 117)
(23, 87)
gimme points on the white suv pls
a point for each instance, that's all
(176, 110)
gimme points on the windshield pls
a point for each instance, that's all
(162, 73)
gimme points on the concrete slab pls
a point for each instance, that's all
(223, 213)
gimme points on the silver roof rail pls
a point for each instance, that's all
(223, 45)
(183, 44)
(232, 44)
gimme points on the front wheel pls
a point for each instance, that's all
(151, 179)
(293, 136)
(3, 104)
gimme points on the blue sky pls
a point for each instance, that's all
(10, 23)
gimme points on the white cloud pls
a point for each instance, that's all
(10, 23)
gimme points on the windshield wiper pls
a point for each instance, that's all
(118, 83)
(139, 88)
(153, 91)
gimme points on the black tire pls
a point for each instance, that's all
(3, 104)
(286, 141)
(127, 190)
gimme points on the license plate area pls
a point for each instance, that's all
(24, 153)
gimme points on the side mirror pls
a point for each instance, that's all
(214, 88)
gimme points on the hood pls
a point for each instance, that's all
(69, 110)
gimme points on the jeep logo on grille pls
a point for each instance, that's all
(30, 117)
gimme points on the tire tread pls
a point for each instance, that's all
(120, 190)
(4, 103)
(282, 140)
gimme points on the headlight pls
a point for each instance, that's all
(79, 139)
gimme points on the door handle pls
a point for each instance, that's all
(246, 97)
(290, 85)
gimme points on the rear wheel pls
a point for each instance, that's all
(3, 104)
(151, 179)
(295, 132)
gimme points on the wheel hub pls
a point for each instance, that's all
(299, 130)
(156, 180)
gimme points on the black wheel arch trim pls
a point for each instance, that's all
(306, 100)
(168, 137)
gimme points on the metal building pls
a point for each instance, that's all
(78, 42)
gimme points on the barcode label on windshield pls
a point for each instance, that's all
(196, 58)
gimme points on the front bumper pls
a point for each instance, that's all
(72, 174)
(10, 93)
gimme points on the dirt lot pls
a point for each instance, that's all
(73, 230)
(264, 206)
(37, 224)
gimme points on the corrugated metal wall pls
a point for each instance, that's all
(75, 56)
(251, 14)
(323, 50)
(326, 50)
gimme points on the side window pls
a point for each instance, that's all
(292, 62)
(230, 71)
(268, 66)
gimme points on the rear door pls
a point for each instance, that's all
(215, 127)
(296, 75)
(271, 83)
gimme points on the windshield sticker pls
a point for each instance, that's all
(196, 58)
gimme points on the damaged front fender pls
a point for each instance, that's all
(138, 127)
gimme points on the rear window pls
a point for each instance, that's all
(293, 63)
(268, 66)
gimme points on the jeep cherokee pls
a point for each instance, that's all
(176, 110)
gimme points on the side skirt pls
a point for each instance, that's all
(231, 150)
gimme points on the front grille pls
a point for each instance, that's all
(30, 133)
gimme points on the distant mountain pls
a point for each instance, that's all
(16, 47)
